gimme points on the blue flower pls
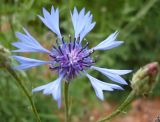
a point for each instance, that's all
(71, 58)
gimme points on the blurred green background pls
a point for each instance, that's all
(138, 23)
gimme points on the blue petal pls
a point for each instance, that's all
(82, 23)
(28, 62)
(113, 74)
(118, 72)
(99, 86)
(109, 43)
(52, 20)
(86, 30)
(27, 43)
(53, 88)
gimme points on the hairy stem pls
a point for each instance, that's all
(13, 73)
(120, 109)
(66, 86)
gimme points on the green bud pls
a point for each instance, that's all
(4, 57)
(143, 80)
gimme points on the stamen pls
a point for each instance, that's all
(74, 42)
(64, 66)
(69, 46)
(91, 51)
(78, 39)
(53, 67)
(81, 68)
(88, 54)
(57, 42)
(60, 50)
(55, 48)
(87, 65)
(67, 57)
(55, 58)
(86, 45)
(52, 56)
(70, 39)
(63, 40)
(93, 62)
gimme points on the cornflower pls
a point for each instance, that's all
(71, 58)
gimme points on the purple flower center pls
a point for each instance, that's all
(69, 58)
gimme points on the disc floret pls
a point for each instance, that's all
(69, 58)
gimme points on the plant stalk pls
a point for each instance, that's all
(13, 73)
(66, 86)
(120, 109)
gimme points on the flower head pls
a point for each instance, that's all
(70, 58)
(144, 79)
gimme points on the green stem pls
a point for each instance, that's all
(127, 101)
(66, 86)
(12, 72)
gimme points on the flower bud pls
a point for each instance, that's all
(4, 56)
(144, 78)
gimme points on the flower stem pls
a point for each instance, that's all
(143, 81)
(66, 86)
(120, 109)
(13, 73)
